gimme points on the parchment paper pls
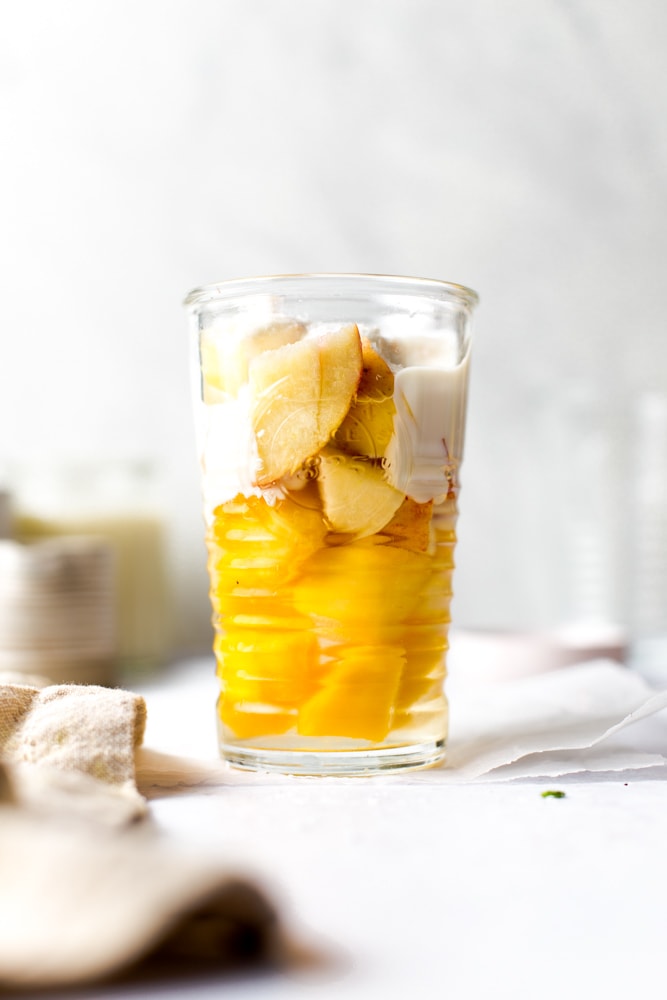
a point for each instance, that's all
(565, 721)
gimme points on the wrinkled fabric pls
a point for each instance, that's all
(88, 887)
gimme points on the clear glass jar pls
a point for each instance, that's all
(330, 417)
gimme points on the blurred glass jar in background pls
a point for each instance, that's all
(648, 537)
(118, 500)
(5, 514)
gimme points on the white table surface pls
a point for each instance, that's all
(415, 888)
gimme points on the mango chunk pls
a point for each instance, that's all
(269, 667)
(361, 590)
(357, 698)
(253, 722)
(256, 548)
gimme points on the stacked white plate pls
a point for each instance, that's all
(57, 609)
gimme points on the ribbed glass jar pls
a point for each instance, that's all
(330, 414)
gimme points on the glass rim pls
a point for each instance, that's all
(236, 287)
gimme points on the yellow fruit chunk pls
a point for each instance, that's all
(255, 548)
(369, 424)
(300, 394)
(361, 591)
(275, 668)
(424, 672)
(254, 608)
(225, 357)
(357, 696)
(251, 723)
(410, 527)
(356, 497)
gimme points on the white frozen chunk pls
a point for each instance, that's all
(429, 424)
(228, 452)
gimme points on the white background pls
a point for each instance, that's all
(518, 147)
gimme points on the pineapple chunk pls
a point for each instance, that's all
(356, 497)
(225, 358)
(300, 394)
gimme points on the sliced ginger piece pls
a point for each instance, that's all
(369, 424)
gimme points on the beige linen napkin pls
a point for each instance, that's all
(88, 887)
(60, 737)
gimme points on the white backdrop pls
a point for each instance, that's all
(518, 147)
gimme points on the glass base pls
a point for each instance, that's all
(345, 763)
